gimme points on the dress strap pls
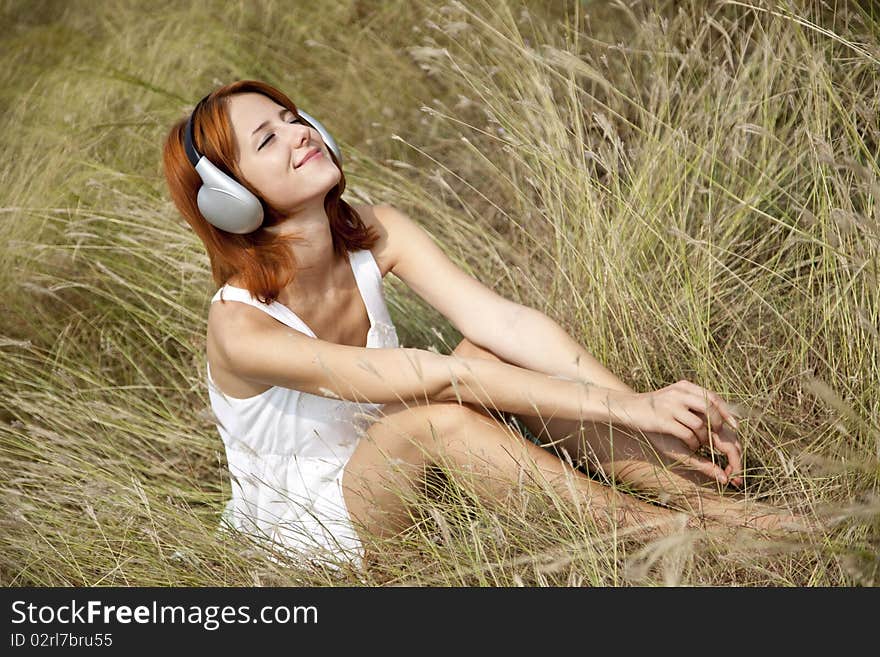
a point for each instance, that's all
(369, 278)
(278, 311)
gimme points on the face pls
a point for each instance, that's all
(272, 144)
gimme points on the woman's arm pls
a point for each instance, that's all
(518, 334)
(259, 349)
(505, 387)
(536, 342)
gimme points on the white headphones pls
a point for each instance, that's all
(222, 200)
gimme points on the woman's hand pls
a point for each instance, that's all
(692, 415)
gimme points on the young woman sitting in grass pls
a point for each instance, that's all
(328, 422)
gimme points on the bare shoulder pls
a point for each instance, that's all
(231, 320)
(228, 311)
(379, 218)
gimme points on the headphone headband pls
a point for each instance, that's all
(188, 142)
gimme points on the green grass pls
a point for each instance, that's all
(690, 189)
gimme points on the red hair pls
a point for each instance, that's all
(264, 261)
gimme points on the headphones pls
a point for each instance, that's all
(222, 200)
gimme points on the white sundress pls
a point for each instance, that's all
(286, 449)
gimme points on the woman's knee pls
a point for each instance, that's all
(467, 349)
(391, 461)
(457, 418)
(428, 425)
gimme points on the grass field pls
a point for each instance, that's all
(689, 188)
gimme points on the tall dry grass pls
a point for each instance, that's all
(690, 189)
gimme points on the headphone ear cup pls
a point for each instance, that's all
(225, 203)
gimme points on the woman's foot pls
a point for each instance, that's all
(763, 518)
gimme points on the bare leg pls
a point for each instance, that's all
(389, 463)
(628, 459)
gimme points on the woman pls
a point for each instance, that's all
(325, 419)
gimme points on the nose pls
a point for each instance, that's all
(301, 134)
(306, 137)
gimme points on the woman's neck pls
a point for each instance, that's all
(319, 273)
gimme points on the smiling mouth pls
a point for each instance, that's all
(310, 158)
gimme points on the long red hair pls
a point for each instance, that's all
(264, 261)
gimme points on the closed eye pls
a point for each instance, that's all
(269, 137)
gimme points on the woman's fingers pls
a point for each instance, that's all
(714, 400)
(710, 417)
(700, 404)
(698, 463)
(734, 459)
(684, 433)
(697, 434)
(719, 437)
(673, 443)
(703, 418)
(728, 436)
